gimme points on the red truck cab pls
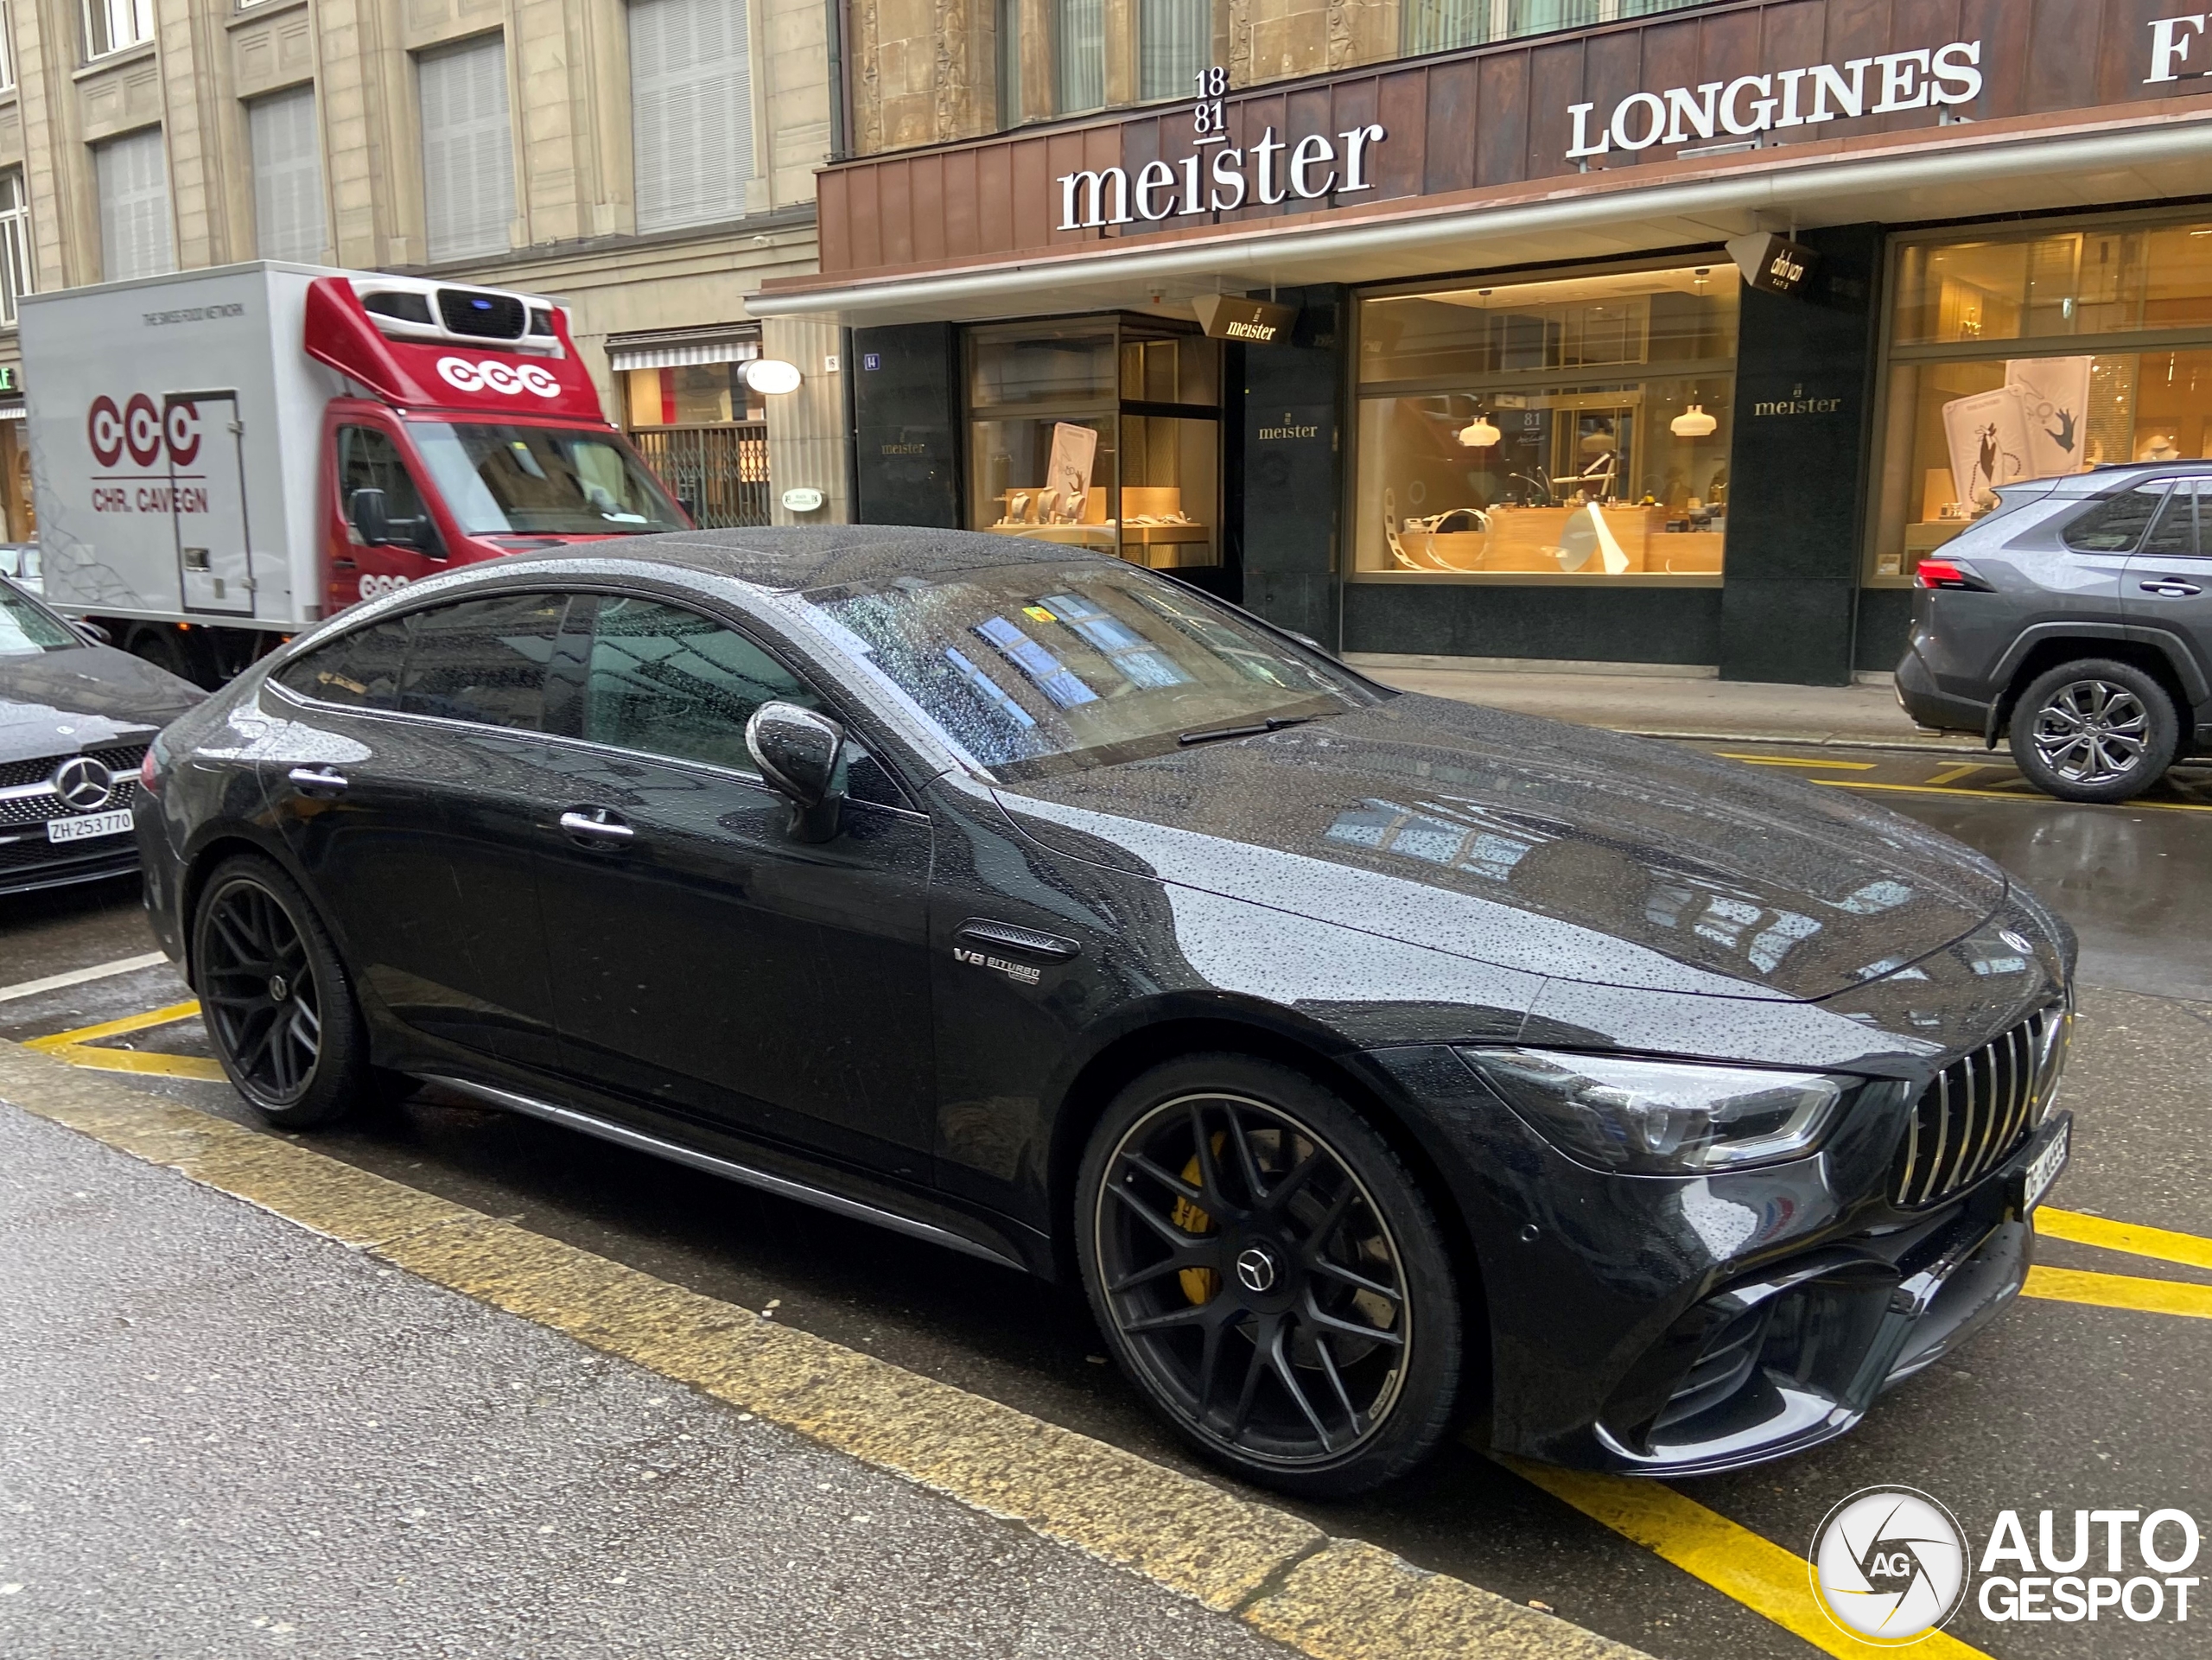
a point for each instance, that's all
(469, 429)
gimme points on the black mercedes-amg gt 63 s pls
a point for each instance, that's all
(1371, 1060)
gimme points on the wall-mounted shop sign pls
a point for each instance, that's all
(1796, 404)
(1217, 176)
(1257, 322)
(1750, 105)
(1772, 263)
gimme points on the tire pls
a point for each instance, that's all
(1268, 1272)
(278, 1004)
(2096, 729)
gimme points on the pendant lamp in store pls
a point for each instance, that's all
(1479, 433)
(1694, 422)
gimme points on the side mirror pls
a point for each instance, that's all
(797, 751)
(93, 634)
(366, 510)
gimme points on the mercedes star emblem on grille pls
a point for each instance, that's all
(83, 784)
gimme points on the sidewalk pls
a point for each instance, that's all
(1681, 703)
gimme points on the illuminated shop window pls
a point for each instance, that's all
(1995, 373)
(1572, 430)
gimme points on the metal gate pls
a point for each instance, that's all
(720, 473)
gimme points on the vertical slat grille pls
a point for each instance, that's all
(1975, 1111)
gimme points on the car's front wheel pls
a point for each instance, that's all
(279, 1008)
(1269, 1273)
(2094, 730)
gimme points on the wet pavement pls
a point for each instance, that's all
(2060, 1405)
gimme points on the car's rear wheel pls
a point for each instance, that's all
(1269, 1273)
(279, 1009)
(2094, 730)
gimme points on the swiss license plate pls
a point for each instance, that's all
(91, 824)
(2043, 1168)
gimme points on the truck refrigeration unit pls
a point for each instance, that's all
(223, 458)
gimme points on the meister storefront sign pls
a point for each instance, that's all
(1275, 171)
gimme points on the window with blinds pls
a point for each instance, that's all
(132, 174)
(1079, 55)
(14, 242)
(690, 111)
(468, 167)
(286, 143)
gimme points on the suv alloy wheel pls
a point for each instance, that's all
(2098, 729)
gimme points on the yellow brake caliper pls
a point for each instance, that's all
(1198, 1283)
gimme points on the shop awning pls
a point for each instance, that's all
(2019, 165)
(674, 348)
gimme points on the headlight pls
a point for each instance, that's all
(1662, 1117)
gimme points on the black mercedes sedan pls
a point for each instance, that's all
(75, 717)
(1375, 1062)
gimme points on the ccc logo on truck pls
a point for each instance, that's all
(493, 376)
(139, 428)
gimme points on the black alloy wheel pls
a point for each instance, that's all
(278, 1010)
(2095, 730)
(1271, 1275)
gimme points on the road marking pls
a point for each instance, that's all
(2119, 1291)
(78, 977)
(2014, 795)
(1768, 1579)
(1953, 773)
(2192, 1250)
(1332, 1598)
(1795, 760)
(76, 1047)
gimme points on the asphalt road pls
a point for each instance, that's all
(2061, 1405)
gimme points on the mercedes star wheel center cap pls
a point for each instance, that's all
(1255, 1268)
(278, 989)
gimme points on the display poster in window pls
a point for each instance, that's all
(1067, 475)
(2054, 394)
(1988, 437)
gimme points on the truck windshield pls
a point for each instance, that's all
(542, 481)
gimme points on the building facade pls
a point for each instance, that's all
(1596, 330)
(648, 162)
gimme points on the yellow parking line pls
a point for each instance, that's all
(167, 1016)
(1953, 773)
(2119, 1291)
(2009, 795)
(76, 1047)
(1774, 1583)
(2192, 1250)
(1795, 760)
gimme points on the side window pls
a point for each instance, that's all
(484, 660)
(369, 459)
(358, 670)
(2176, 530)
(2116, 524)
(665, 681)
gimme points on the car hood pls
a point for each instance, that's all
(37, 731)
(1535, 845)
(98, 680)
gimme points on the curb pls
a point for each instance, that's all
(1332, 1598)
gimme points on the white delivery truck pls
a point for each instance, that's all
(222, 458)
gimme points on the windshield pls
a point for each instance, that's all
(1035, 669)
(26, 627)
(542, 481)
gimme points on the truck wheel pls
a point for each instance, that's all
(279, 1007)
(2094, 730)
(160, 647)
(1269, 1274)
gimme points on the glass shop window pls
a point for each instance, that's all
(1576, 429)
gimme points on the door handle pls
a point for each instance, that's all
(596, 827)
(319, 782)
(2170, 588)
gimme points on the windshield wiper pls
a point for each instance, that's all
(1259, 729)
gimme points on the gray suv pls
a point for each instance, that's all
(2076, 620)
